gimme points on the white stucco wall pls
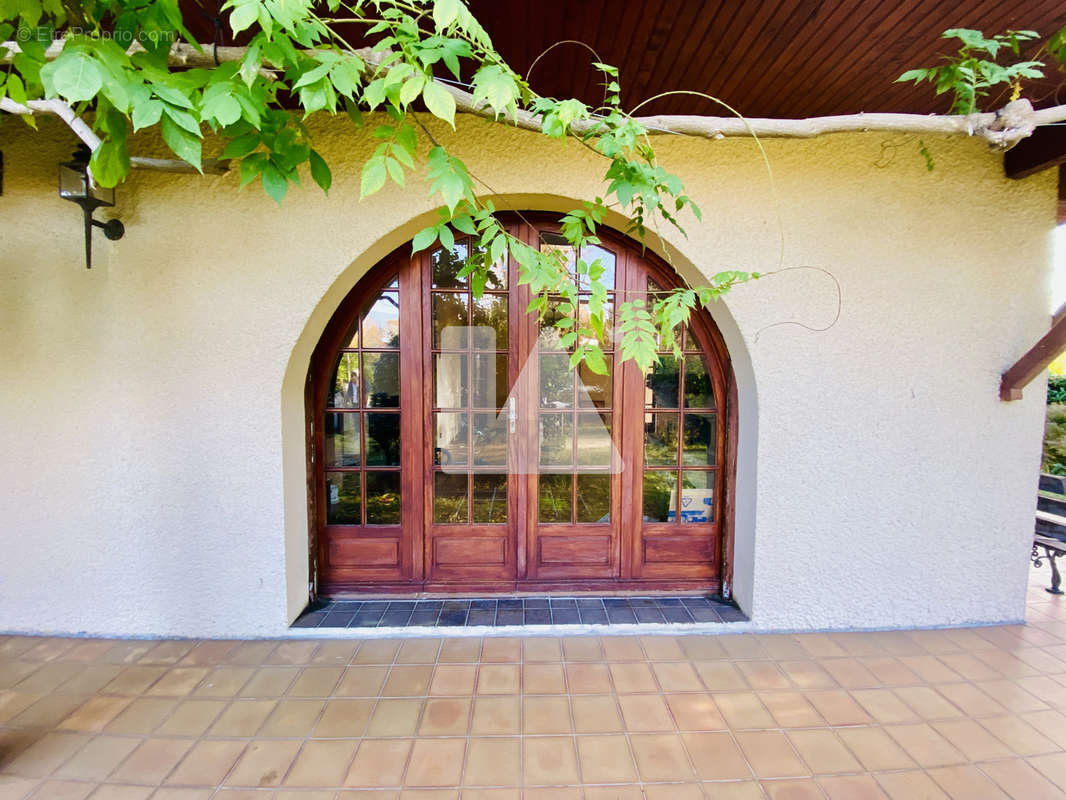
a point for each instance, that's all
(151, 409)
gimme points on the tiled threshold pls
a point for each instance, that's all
(507, 611)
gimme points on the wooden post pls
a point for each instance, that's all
(1036, 360)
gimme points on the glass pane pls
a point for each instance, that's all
(382, 498)
(381, 382)
(446, 266)
(548, 335)
(608, 321)
(590, 253)
(594, 440)
(699, 441)
(554, 498)
(342, 498)
(450, 439)
(382, 440)
(450, 380)
(451, 321)
(350, 341)
(490, 439)
(381, 323)
(660, 496)
(490, 322)
(345, 382)
(490, 381)
(593, 498)
(556, 439)
(662, 383)
(662, 344)
(555, 243)
(594, 391)
(698, 390)
(490, 498)
(342, 440)
(556, 381)
(660, 439)
(697, 496)
(449, 498)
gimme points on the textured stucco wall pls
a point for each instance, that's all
(151, 409)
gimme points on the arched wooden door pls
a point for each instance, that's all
(454, 450)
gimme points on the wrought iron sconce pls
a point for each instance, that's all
(77, 186)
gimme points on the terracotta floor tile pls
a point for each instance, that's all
(395, 717)
(791, 709)
(702, 648)
(662, 756)
(453, 679)
(269, 682)
(794, 790)
(631, 792)
(975, 742)
(1050, 723)
(716, 756)
(376, 651)
(587, 678)
(734, 790)
(340, 653)
(605, 759)
(1021, 737)
(418, 651)
(501, 650)
(551, 793)
(875, 749)
(662, 648)
(969, 699)
(852, 787)
(224, 682)
(55, 790)
(316, 682)
(720, 676)
(243, 653)
(537, 648)
(45, 754)
(379, 763)
(114, 791)
(142, 716)
(969, 667)
(495, 715)
(543, 679)
(582, 648)
(695, 712)
(763, 675)
(408, 681)
(808, 675)
(362, 681)
(884, 706)
(134, 680)
(51, 709)
(823, 752)
(95, 713)
(460, 651)
(925, 745)
(930, 669)
(838, 708)
(1020, 780)
(890, 671)
(343, 718)
(646, 713)
(850, 673)
(676, 676)
(98, 758)
(492, 762)
(911, 785)
(1012, 695)
(622, 648)
(497, 679)
(596, 714)
(206, 764)
(445, 716)
(294, 653)
(12, 704)
(152, 761)
(178, 682)
(265, 763)
(770, 754)
(743, 710)
(241, 718)
(436, 762)
(742, 645)
(292, 718)
(546, 714)
(549, 760)
(490, 794)
(321, 763)
(1053, 767)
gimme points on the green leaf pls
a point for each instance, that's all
(320, 171)
(445, 13)
(110, 163)
(594, 360)
(439, 102)
(74, 75)
(373, 177)
(241, 146)
(245, 13)
(274, 182)
(147, 113)
(185, 145)
(424, 238)
(182, 118)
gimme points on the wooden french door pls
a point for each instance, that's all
(454, 449)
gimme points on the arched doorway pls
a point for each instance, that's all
(454, 450)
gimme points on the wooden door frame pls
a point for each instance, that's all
(319, 375)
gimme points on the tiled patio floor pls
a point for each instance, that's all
(965, 714)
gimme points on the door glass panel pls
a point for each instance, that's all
(446, 265)
(382, 498)
(585, 318)
(342, 440)
(660, 495)
(451, 320)
(490, 322)
(556, 381)
(490, 380)
(381, 323)
(594, 391)
(698, 390)
(698, 446)
(594, 440)
(490, 440)
(662, 383)
(350, 340)
(556, 439)
(449, 498)
(450, 380)
(345, 392)
(451, 437)
(382, 380)
(593, 498)
(697, 496)
(490, 498)
(554, 499)
(382, 440)
(660, 439)
(590, 253)
(343, 500)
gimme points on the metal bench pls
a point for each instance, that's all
(1052, 547)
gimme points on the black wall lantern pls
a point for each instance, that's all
(76, 185)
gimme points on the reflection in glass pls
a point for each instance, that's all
(490, 322)
(556, 439)
(381, 380)
(382, 440)
(490, 439)
(594, 391)
(698, 446)
(350, 340)
(548, 335)
(451, 321)
(446, 267)
(449, 498)
(698, 390)
(345, 382)
(490, 498)
(554, 501)
(556, 381)
(660, 439)
(449, 370)
(382, 498)
(342, 440)
(662, 383)
(660, 494)
(450, 439)
(590, 253)
(342, 499)
(594, 440)
(697, 496)
(381, 322)
(490, 380)
(593, 498)
(585, 319)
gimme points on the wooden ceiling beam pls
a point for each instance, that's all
(1035, 361)
(1046, 148)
